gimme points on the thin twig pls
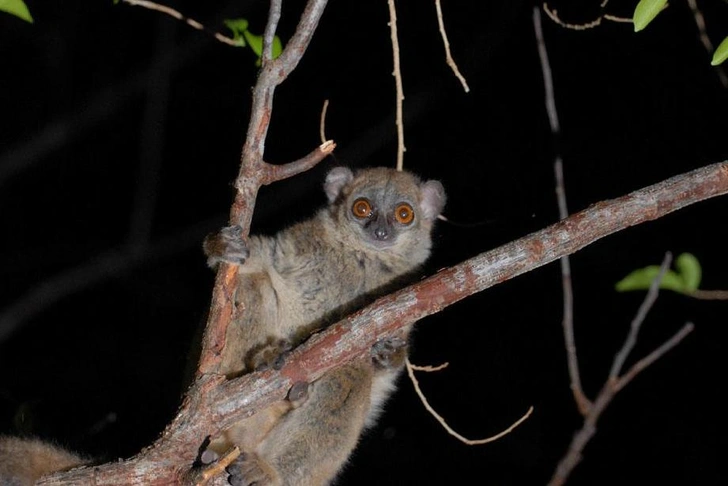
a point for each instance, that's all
(582, 402)
(547, 77)
(430, 369)
(448, 56)
(275, 173)
(561, 200)
(639, 318)
(614, 18)
(703, 35)
(438, 417)
(322, 122)
(653, 356)
(397, 73)
(177, 15)
(709, 294)
(554, 15)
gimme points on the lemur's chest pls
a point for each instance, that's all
(322, 292)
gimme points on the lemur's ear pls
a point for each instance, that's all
(336, 179)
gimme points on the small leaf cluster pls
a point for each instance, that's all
(684, 279)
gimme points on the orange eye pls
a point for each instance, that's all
(404, 213)
(361, 208)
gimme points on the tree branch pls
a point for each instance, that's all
(614, 382)
(254, 172)
(609, 390)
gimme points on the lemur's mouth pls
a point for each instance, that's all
(381, 243)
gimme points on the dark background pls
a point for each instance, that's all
(120, 135)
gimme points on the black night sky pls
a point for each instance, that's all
(120, 136)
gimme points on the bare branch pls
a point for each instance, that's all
(448, 56)
(607, 393)
(428, 368)
(614, 382)
(548, 82)
(653, 356)
(709, 294)
(639, 318)
(322, 122)
(274, 15)
(292, 53)
(554, 16)
(397, 73)
(614, 18)
(582, 402)
(438, 417)
(277, 173)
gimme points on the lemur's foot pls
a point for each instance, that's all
(250, 470)
(389, 353)
(272, 355)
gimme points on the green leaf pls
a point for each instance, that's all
(645, 12)
(244, 37)
(277, 46)
(239, 27)
(685, 280)
(721, 53)
(17, 8)
(689, 269)
(255, 42)
(642, 279)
